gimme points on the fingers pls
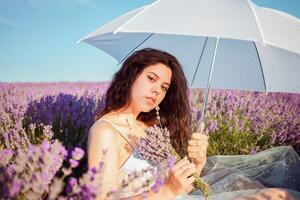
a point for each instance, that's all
(183, 168)
(190, 186)
(197, 151)
(180, 163)
(180, 176)
(196, 148)
(197, 144)
(190, 170)
(198, 140)
(189, 189)
(199, 157)
(199, 136)
(191, 180)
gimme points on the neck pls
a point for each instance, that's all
(129, 113)
(128, 117)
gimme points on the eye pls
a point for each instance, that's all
(164, 88)
(151, 79)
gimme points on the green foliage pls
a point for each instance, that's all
(230, 139)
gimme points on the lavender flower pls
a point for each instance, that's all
(171, 161)
(156, 148)
(5, 156)
(77, 153)
(47, 130)
(73, 163)
(158, 183)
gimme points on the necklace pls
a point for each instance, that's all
(135, 132)
(128, 124)
(133, 126)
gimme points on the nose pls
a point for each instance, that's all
(156, 89)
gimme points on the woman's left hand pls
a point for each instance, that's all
(197, 148)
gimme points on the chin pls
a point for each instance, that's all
(146, 108)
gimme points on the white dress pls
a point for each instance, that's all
(236, 175)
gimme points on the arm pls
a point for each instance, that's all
(103, 137)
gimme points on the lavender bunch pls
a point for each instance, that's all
(157, 149)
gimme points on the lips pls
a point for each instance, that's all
(152, 99)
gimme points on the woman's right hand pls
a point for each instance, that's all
(180, 177)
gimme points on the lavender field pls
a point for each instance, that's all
(44, 127)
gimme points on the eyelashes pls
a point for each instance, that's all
(152, 80)
(164, 88)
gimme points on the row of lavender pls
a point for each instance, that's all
(42, 124)
(34, 164)
(243, 122)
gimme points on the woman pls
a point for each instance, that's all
(150, 87)
(147, 79)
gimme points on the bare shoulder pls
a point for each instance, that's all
(102, 144)
(102, 128)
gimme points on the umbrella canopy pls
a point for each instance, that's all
(226, 44)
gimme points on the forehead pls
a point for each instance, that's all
(161, 70)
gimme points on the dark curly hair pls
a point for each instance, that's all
(175, 111)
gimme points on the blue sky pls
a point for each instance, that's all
(38, 37)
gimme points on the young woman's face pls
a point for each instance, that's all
(150, 87)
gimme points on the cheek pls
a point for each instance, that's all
(140, 85)
(135, 94)
(137, 91)
(137, 87)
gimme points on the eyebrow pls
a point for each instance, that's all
(158, 77)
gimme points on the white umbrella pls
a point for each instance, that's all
(228, 44)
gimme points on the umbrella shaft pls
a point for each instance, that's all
(200, 126)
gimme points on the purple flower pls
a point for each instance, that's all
(5, 156)
(158, 183)
(171, 161)
(72, 183)
(155, 146)
(64, 153)
(254, 150)
(77, 153)
(73, 163)
(47, 130)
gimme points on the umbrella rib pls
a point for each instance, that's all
(257, 22)
(136, 48)
(261, 68)
(200, 58)
(131, 19)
